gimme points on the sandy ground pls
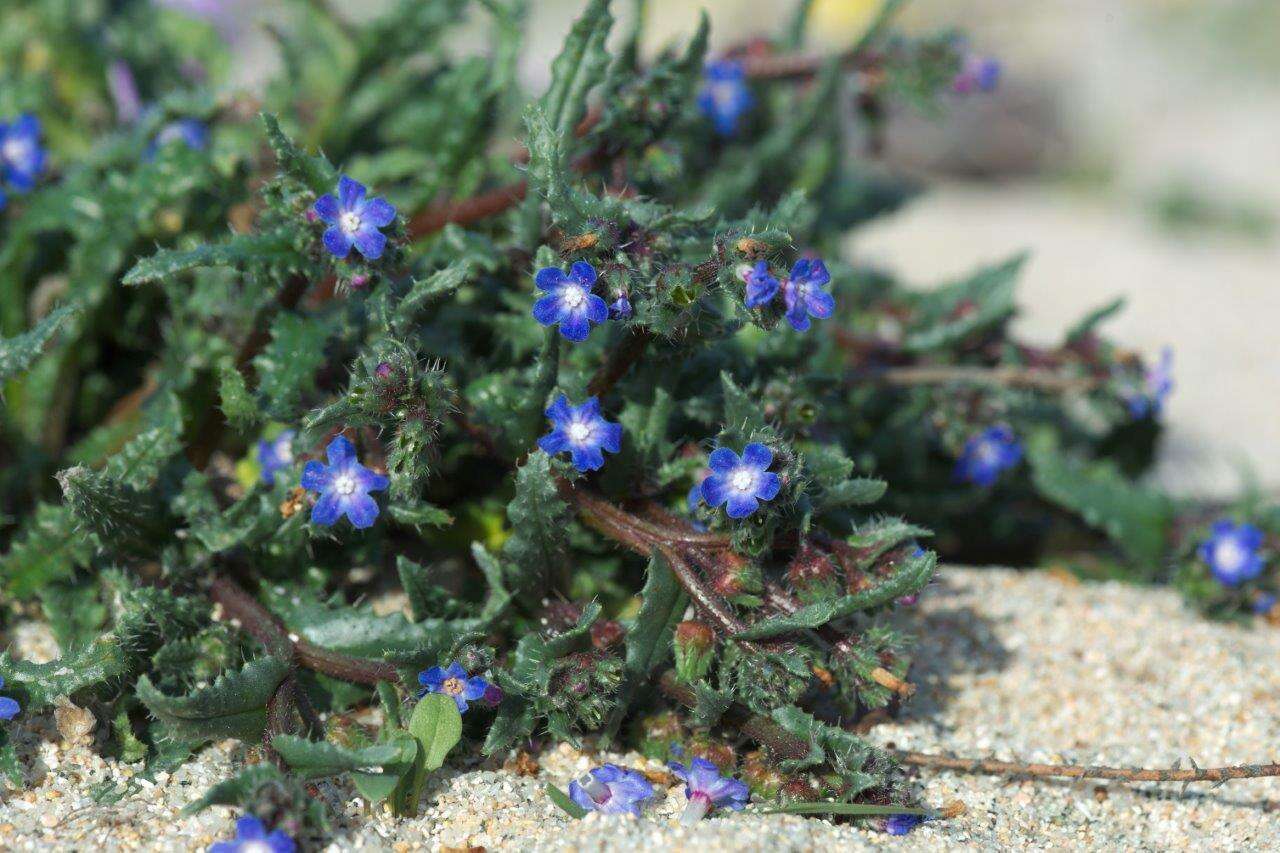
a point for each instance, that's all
(1012, 665)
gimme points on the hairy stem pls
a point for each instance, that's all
(1079, 771)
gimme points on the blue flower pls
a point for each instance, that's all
(354, 220)
(611, 790)
(275, 454)
(344, 486)
(725, 97)
(1263, 604)
(706, 789)
(621, 308)
(1232, 552)
(8, 707)
(582, 431)
(252, 837)
(454, 683)
(987, 454)
(805, 296)
(977, 74)
(21, 157)
(901, 824)
(188, 131)
(1157, 385)
(569, 300)
(761, 285)
(740, 483)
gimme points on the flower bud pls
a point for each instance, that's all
(812, 575)
(694, 646)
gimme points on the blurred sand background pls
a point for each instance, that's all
(1133, 148)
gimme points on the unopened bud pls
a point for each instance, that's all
(694, 646)
(606, 633)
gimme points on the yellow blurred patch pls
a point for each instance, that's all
(837, 23)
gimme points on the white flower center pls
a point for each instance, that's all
(255, 846)
(724, 94)
(1229, 554)
(284, 452)
(578, 432)
(17, 149)
(573, 296)
(349, 222)
(988, 452)
(742, 479)
(344, 484)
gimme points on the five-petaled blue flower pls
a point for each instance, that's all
(274, 455)
(354, 220)
(740, 483)
(344, 486)
(1157, 385)
(987, 454)
(804, 294)
(8, 707)
(252, 837)
(569, 300)
(725, 97)
(454, 683)
(706, 789)
(582, 431)
(901, 824)
(1232, 552)
(188, 131)
(977, 74)
(761, 285)
(611, 790)
(21, 157)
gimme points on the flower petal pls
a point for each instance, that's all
(475, 688)
(362, 510)
(315, 476)
(250, 828)
(379, 212)
(560, 411)
(554, 442)
(326, 207)
(368, 480)
(337, 242)
(350, 192)
(340, 450)
(575, 327)
(584, 273)
(455, 670)
(327, 510)
(610, 436)
(432, 678)
(370, 242)
(580, 797)
(547, 310)
(741, 504)
(549, 278)
(722, 460)
(769, 485)
(586, 458)
(8, 708)
(757, 455)
(821, 303)
(715, 490)
(597, 309)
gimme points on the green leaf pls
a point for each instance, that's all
(1089, 322)
(950, 314)
(419, 514)
(287, 366)
(315, 172)
(909, 577)
(535, 552)
(238, 251)
(313, 759)
(567, 805)
(437, 724)
(377, 787)
(120, 518)
(43, 683)
(857, 762)
(1138, 520)
(18, 353)
(235, 705)
(239, 790)
(578, 67)
(648, 641)
(238, 405)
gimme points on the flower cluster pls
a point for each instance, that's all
(569, 301)
(611, 790)
(252, 837)
(725, 97)
(453, 681)
(987, 454)
(740, 482)
(354, 220)
(187, 131)
(22, 159)
(706, 789)
(802, 291)
(1157, 385)
(1233, 552)
(344, 485)
(582, 431)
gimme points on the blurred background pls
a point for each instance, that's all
(1133, 147)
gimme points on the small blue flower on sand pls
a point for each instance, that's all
(8, 707)
(706, 789)
(582, 431)
(354, 220)
(740, 483)
(611, 790)
(1157, 385)
(804, 294)
(901, 824)
(252, 837)
(1232, 552)
(22, 159)
(275, 454)
(569, 300)
(987, 454)
(761, 285)
(344, 485)
(188, 131)
(977, 74)
(454, 683)
(725, 97)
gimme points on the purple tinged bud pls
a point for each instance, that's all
(124, 92)
(493, 696)
(359, 280)
(383, 370)
(312, 216)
